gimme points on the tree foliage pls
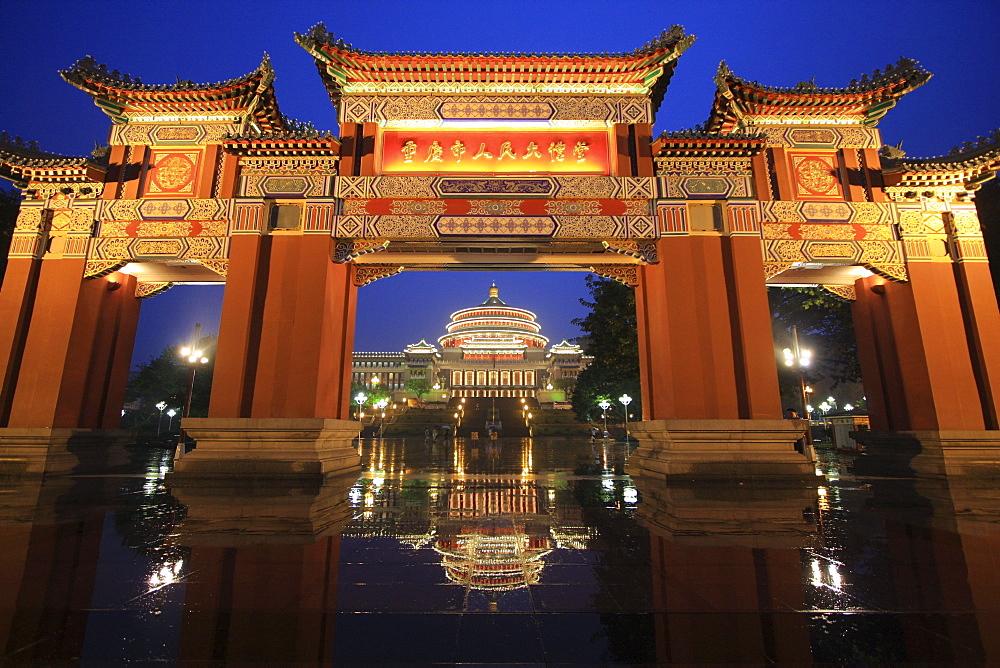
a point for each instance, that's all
(418, 386)
(988, 204)
(610, 336)
(10, 203)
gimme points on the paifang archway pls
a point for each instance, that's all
(498, 160)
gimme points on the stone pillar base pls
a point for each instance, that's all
(723, 514)
(696, 450)
(929, 454)
(62, 451)
(281, 448)
(233, 512)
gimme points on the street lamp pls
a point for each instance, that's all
(605, 405)
(170, 422)
(360, 398)
(626, 400)
(380, 406)
(159, 420)
(193, 356)
(799, 358)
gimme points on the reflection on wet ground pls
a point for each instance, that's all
(520, 552)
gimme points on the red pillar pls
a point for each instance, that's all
(707, 345)
(76, 354)
(753, 342)
(914, 347)
(982, 324)
(17, 297)
(239, 327)
(287, 332)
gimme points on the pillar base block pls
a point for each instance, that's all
(237, 512)
(707, 450)
(975, 455)
(62, 451)
(264, 448)
(748, 515)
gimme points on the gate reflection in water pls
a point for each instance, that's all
(498, 551)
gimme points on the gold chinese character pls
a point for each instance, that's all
(458, 150)
(434, 153)
(531, 151)
(482, 153)
(506, 151)
(557, 151)
(580, 151)
(409, 148)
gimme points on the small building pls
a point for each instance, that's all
(489, 350)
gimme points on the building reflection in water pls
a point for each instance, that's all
(490, 515)
(516, 552)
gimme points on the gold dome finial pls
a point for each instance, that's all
(494, 291)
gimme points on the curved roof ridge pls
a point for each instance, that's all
(905, 69)
(16, 151)
(981, 157)
(668, 38)
(868, 98)
(87, 68)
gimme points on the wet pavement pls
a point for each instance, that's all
(519, 551)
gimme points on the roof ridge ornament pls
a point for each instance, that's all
(868, 99)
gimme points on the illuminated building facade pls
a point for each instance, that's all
(489, 350)
(512, 161)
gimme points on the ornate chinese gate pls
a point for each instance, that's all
(523, 161)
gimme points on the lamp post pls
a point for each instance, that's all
(626, 400)
(799, 359)
(360, 398)
(170, 422)
(159, 420)
(605, 405)
(193, 356)
(380, 406)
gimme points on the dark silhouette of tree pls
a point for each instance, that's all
(988, 204)
(165, 378)
(610, 336)
(10, 202)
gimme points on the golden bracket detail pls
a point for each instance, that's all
(221, 267)
(366, 273)
(843, 292)
(894, 272)
(349, 249)
(101, 268)
(643, 251)
(147, 290)
(627, 274)
(772, 269)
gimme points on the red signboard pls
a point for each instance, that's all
(542, 151)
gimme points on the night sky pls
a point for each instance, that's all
(776, 43)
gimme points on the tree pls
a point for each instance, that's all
(419, 387)
(10, 203)
(610, 335)
(165, 378)
(988, 204)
